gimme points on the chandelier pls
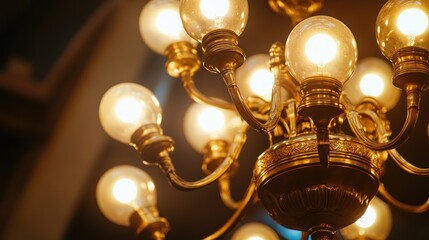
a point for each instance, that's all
(323, 114)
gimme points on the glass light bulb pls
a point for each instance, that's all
(372, 78)
(200, 17)
(254, 77)
(255, 231)
(125, 107)
(321, 46)
(204, 123)
(160, 25)
(122, 190)
(375, 223)
(403, 23)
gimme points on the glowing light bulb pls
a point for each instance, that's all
(122, 190)
(211, 119)
(204, 123)
(372, 84)
(160, 25)
(200, 17)
(168, 22)
(412, 22)
(125, 190)
(401, 24)
(255, 231)
(128, 109)
(321, 46)
(125, 107)
(368, 218)
(321, 49)
(261, 82)
(214, 9)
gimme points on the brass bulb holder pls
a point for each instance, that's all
(148, 225)
(181, 57)
(297, 10)
(320, 99)
(300, 194)
(221, 51)
(150, 142)
(411, 68)
(214, 154)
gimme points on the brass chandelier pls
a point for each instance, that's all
(316, 176)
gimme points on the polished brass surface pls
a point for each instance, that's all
(322, 232)
(297, 10)
(300, 194)
(411, 67)
(181, 57)
(149, 141)
(321, 102)
(221, 51)
(148, 224)
(403, 206)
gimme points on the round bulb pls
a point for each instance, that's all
(375, 223)
(321, 46)
(160, 25)
(200, 17)
(255, 231)
(373, 78)
(122, 190)
(126, 107)
(204, 123)
(402, 23)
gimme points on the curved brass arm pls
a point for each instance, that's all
(407, 166)
(243, 109)
(225, 192)
(167, 166)
(413, 101)
(197, 96)
(238, 214)
(405, 207)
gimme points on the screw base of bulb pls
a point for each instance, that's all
(321, 99)
(221, 51)
(181, 57)
(148, 225)
(149, 141)
(411, 67)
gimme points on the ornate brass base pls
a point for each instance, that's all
(181, 57)
(298, 193)
(148, 225)
(297, 10)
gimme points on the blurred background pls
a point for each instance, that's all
(57, 58)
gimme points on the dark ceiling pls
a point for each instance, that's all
(33, 36)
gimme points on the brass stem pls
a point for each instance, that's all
(164, 161)
(244, 110)
(413, 103)
(225, 192)
(148, 225)
(405, 165)
(405, 207)
(238, 214)
(197, 96)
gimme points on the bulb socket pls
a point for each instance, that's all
(320, 99)
(181, 57)
(221, 51)
(149, 141)
(148, 225)
(411, 67)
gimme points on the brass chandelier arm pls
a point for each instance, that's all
(238, 214)
(405, 207)
(197, 96)
(225, 192)
(407, 166)
(413, 99)
(167, 165)
(243, 109)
